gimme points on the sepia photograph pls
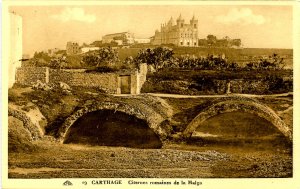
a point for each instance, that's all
(148, 92)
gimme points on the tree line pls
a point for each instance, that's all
(159, 58)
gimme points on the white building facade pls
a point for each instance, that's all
(179, 33)
(15, 46)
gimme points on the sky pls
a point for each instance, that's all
(258, 26)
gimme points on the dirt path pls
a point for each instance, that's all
(218, 96)
(212, 96)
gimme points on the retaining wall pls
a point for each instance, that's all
(29, 75)
(106, 81)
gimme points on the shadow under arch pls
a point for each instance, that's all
(147, 118)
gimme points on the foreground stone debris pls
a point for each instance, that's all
(105, 162)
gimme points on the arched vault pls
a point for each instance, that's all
(248, 106)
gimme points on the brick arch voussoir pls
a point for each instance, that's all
(117, 107)
(34, 131)
(252, 107)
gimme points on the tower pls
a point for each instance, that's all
(180, 21)
(194, 31)
(194, 22)
(171, 22)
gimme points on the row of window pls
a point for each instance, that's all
(195, 25)
(188, 35)
(187, 43)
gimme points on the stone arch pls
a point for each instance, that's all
(34, 131)
(248, 106)
(152, 118)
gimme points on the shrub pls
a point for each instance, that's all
(157, 57)
(278, 85)
(35, 62)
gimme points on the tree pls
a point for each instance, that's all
(58, 63)
(236, 42)
(42, 55)
(202, 42)
(211, 39)
(157, 57)
(35, 62)
(105, 56)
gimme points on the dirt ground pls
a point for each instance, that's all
(54, 160)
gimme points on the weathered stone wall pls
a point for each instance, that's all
(29, 75)
(142, 74)
(134, 83)
(241, 86)
(106, 81)
(248, 86)
(211, 86)
(138, 78)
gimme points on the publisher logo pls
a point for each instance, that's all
(67, 183)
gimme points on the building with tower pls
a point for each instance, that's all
(179, 34)
(72, 48)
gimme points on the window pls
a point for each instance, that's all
(182, 25)
(181, 43)
(195, 25)
(188, 43)
(195, 44)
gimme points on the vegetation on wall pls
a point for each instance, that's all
(175, 73)
(194, 82)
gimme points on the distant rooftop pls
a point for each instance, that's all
(116, 33)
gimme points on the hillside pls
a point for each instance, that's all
(238, 55)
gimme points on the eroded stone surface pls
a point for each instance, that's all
(243, 105)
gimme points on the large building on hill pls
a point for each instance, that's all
(179, 34)
(123, 38)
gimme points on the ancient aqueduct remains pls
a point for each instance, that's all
(154, 119)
